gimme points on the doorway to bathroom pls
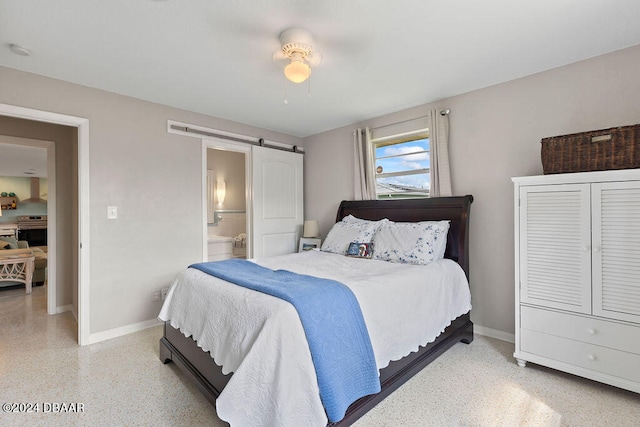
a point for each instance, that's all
(252, 198)
(227, 197)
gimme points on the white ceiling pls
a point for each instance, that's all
(214, 57)
(22, 160)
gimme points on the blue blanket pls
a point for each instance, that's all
(332, 321)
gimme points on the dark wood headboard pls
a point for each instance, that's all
(455, 209)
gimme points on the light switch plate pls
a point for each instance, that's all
(112, 212)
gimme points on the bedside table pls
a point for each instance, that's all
(308, 243)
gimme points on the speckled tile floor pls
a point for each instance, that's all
(122, 382)
(119, 381)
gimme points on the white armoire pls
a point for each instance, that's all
(577, 274)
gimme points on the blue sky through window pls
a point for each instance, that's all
(404, 157)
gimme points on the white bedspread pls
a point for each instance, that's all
(261, 340)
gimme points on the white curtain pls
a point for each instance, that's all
(439, 139)
(363, 167)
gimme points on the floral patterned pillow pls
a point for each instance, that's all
(411, 242)
(343, 233)
(354, 219)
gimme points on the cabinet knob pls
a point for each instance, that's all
(596, 249)
(585, 248)
(591, 357)
(591, 331)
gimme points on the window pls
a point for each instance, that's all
(402, 165)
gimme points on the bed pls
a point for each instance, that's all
(208, 376)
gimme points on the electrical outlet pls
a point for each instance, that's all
(156, 296)
(164, 293)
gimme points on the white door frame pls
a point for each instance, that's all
(50, 146)
(220, 144)
(83, 201)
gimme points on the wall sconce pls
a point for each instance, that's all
(221, 191)
(311, 229)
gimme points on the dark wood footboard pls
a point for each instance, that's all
(400, 371)
(193, 361)
(201, 368)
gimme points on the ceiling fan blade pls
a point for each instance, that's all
(314, 59)
(279, 55)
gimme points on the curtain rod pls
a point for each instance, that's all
(444, 112)
(399, 123)
(259, 142)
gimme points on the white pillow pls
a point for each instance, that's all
(411, 242)
(344, 232)
(353, 220)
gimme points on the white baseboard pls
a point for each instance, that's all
(64, 308)
(123, 330)
(494, 333)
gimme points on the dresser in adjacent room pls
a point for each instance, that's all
(577, 274)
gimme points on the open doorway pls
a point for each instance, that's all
(27, 174)
(226, 200)
(69, 234)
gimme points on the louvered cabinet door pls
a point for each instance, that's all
(616, 250)
(555, 246)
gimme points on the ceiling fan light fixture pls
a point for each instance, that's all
(296, 46)
(297, 70)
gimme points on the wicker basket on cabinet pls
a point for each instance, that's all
(614, 148)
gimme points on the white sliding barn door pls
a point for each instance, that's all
(277, 201)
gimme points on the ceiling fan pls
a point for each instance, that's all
(296, 45)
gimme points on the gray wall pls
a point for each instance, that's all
(495, 134)
(153, 177)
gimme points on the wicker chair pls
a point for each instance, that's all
(40, 254)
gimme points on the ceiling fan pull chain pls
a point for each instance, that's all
(284, 87)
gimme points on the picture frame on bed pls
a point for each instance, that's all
(308, 243)
(360, 250)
